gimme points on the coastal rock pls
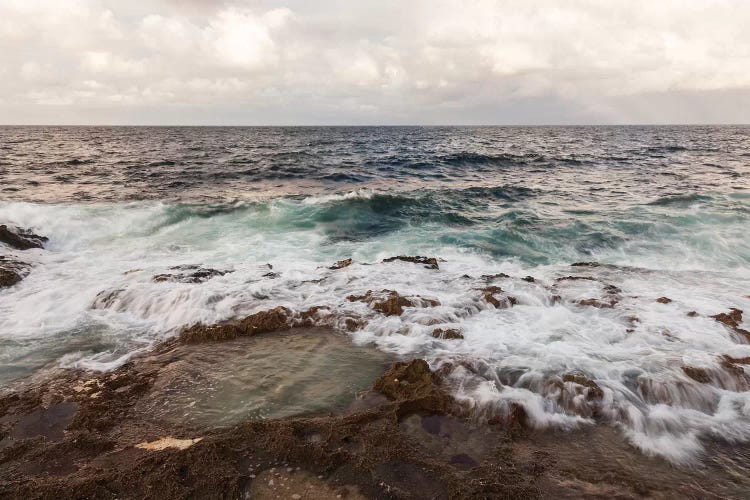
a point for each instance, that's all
(738, 361)
(429, 262)
(106, 298)
(490, 277)
(599, 304)
(390, 302)
(529, 279)
(585, 264)
(664, 300)
(576, 278)
(341, 264)
(188, 274)
(415, 387)
(12, 271)
(592, 390)
(490, 295)
(732, 319)
(447, 334)
(21, 239)
(697, 374)
(272, 320)
(692, 314)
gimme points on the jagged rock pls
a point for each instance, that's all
(447, 334)
(592, 389)
(189, 274)
(586, 264)
(692, 314)
(490, 277)
(576, 278)
(664, 300)
(415, 387)
(106, 298)
(489, 295)
(271, 275)
(341, 264)
(599, 304)
(430, 262)
(12, 271)
(390, 303)
(697, 374)
(529, 279)
(732, 319)
(21, 239)
(739, 361)
(278, 318)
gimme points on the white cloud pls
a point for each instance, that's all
(427, 60)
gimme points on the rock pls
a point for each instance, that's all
(168, 442)
(447, 334)
(341, 264)
(664, 300)
(598, 303)
(489, 295)
(585, 264)
(390, 303)
(429, 262)
(697, 374)
(189, 274)
(415, 387)
(106, 298)
(490, 277)
(576, 278)
(12, 271)
(21, 239)
(278, 318)
(692, 314)
(592, 389)
(732, 319)
(739, 361)
(529, 279)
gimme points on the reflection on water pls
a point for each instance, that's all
(263, 377)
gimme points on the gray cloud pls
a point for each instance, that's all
(343, 62)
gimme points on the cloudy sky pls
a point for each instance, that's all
(374, 61)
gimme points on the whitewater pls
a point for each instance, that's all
(656, 219)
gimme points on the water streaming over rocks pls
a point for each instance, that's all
(588, 275)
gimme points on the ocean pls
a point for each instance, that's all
(657, 220)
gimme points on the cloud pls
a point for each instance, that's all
(335, 61)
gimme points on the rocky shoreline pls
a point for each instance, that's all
(68, 433)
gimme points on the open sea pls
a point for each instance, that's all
(661, 212)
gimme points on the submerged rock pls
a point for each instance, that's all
(188, 274)
(390, 302)
(664, 300)
(697, 374)
(12, 271)
(490, 295)
(341, 264)
(692, 314)
(732, 319)
(21, 239)
(591, 388)
(599, 304)
(278, 318)
(429, 262)
(447, 334)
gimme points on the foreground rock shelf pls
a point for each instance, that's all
(73, 434)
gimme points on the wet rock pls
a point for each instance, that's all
(586, 264)
(415, 387)
(106, 298)
(697, 374)
(732, 319)
(592, 389)
(390, 302)
(599, 304)
(272, 320)
(189, 274)
(529, 279)
(490, 295)
(21, 239)
(12, 271)
(447, 334)
(271, 275)
(739, 361)
(664, 300)
(341, 264)
(692, 314)
(429, 262)
(490, 277)
(576, 278)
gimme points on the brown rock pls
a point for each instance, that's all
(739, 361)
(341, 264)
(189, 274)
(429, 262)
(732, 319)
(489, 294)
(21, 239)
(692, 314)
(390, 303)
(415, 387)
(664, 300)
(598, 303)
(12, 271)
(593, 391)
(697, 374)
(447, 334)
(271, 320)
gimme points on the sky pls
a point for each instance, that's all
(374, 62)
